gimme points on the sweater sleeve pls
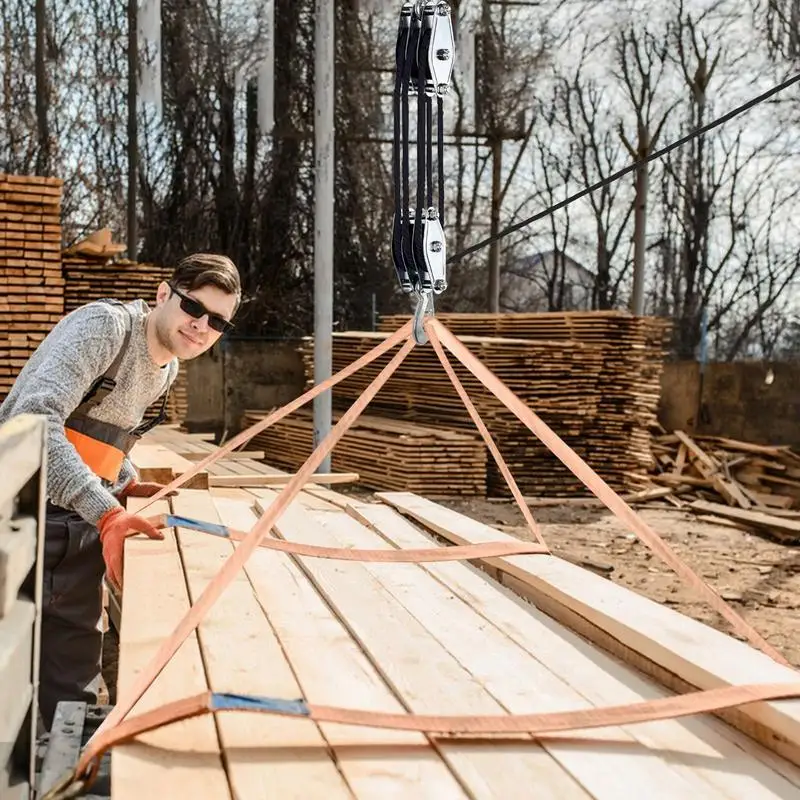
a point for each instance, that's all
(80, 348)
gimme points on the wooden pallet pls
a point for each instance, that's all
(434, 638)
(22, 459)
(31, 284)
(400, 455)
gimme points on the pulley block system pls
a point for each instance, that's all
(425, 59)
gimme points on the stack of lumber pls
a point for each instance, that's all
(571, 385)
(92, 277)
(385, 453)
(628, 387)
(755, 485)
(31, 284)
(434, 638)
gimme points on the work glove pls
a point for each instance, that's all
(114, 527)
(145, 489)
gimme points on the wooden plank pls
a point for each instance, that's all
(236, 455)
(160, 464)
(21, 440)
(16, 672)
(182, 759)
(696, 654)
(426, 677)
(18, 545)
(608, 763)
(241, 481)
(692, 745)
(288, 755)
(780, 526)
(330, 668)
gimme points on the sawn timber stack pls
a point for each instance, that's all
(429, 638)
(598, 395)
(385, 453)
(631, 351)
(31, 283)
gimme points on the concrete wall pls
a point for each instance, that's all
(241, 374)
(753, 401)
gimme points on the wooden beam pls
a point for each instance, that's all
(371, 760)
(20, 454)
(260, 750)
(182, 759)
(242, 481)
(159, 463)
(236, 455)
(782, 527)
(698, 655)
(599, 678)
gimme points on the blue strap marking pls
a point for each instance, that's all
(173, 521)
(221, 701)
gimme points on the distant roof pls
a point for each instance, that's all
(529, 266)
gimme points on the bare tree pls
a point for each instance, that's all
(597, 153)
(18, 131)
(640, 64)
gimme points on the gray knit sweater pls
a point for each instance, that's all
(74, 354)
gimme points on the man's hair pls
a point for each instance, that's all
(207, 269)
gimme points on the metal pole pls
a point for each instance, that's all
(133, 133)
(323, 214)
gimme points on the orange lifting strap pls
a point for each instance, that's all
(117, 729)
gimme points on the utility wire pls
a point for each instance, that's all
(621, 173)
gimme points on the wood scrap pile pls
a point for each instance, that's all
(754, 486)
(30, 269)
(91, 274)
(383, 452)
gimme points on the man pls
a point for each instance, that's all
(94, 376)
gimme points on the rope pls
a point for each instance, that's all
(626, 170)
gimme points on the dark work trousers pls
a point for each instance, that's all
(72, 605)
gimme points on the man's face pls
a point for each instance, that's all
(184, 335)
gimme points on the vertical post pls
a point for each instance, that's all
(493, 300)
(42, 92)
(133, 133)
(640, 235)
(324, 61)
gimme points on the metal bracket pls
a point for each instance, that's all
(424, 309)
(435, 251)
(441, 54)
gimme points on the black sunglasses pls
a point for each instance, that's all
(195, 309)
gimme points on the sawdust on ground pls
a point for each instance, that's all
(760, 578)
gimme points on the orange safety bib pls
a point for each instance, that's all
(104, 459)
